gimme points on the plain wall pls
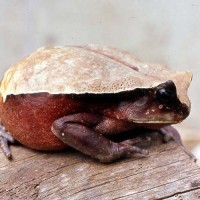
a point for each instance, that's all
(166, 32)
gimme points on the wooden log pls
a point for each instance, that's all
(167, 173)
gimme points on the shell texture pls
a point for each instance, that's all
(87, 69)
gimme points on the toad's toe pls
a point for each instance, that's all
(5, 138)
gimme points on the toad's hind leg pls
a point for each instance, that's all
(77, 131)
(5, 138)
(170, 133)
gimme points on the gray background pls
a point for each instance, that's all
(154, 30)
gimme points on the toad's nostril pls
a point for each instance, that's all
(185, 111)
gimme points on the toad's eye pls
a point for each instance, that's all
(166, 92)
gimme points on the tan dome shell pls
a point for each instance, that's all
(87, 69)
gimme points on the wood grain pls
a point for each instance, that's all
(167, 173)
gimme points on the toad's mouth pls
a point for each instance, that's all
(166, 119)
(156, 121)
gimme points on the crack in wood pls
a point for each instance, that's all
(142, 191)
(13, 162)
(178, 193)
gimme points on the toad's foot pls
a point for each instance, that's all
(77, 131)
(137, 141)
(5, 138)
(169, 133)
(135, 145)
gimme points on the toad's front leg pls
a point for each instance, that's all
(5, 137)
(78, 131)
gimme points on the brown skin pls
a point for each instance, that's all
(85, 122)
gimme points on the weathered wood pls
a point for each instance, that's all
(168, 173)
